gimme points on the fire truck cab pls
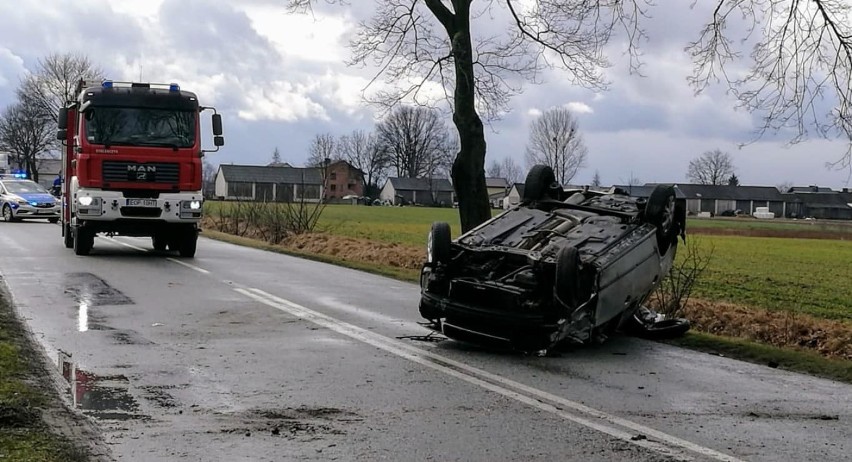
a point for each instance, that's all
(132, 164)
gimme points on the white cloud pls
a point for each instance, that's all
(578, 107)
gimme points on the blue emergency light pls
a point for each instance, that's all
(107, 84)
(174, 87)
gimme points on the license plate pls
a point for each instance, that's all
(44, 212)
(141, 202)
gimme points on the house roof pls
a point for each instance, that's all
(264, 174)
(496, 183)
(519, 187)
(727, 192)
(810, 189)
(496, 196)
(826, 200)
(421, 184)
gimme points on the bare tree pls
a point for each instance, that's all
(416, 141)
(555, 140)
(363, 151)
(54, 81)
(801, 64)
(713, 167)
(596, 180)
(323, 150)
(784, 187)
(27, 132)
(417, 42)
(506, 168)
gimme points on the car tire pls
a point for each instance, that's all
(8, 215)
(188, 243)
(438, 243)
(566, 284)
(665, 329)
(660, 212)
(67, 237)
(53, 220)
(539, 180)
(84, 240)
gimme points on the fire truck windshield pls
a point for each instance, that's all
(140, 127)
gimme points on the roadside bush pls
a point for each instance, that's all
(672, 294)
(271, 222)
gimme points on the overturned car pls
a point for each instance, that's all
(562, 266)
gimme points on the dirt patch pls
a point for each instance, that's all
(830, 338)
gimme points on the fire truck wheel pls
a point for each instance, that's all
(84, 240)
(188, 242)
(67, 237)
(159, 242)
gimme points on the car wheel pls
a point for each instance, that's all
(539, 179)
(566, 286)
(667, 328)
(660, 212)
(67, 237)
(84, 240)
(8, 215)
(188, 244)
(53, 220)
(438, 243)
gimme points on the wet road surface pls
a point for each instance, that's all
(241, 354)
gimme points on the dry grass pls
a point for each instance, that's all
(831, 338)
(359, 250)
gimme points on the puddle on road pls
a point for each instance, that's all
(100, 397)
(90, 290)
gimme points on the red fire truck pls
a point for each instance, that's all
(132, 164)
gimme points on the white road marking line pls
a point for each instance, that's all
(192, 267)
(173, 260)
(605, 423)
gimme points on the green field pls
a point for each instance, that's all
(812, 276)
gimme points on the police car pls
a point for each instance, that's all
(25, 199)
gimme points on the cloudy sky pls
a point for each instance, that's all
(281, 79)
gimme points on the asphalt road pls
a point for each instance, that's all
(245, 355)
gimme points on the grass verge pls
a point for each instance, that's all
(788, 358)
(25, 394)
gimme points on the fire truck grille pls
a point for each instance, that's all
(144, 172)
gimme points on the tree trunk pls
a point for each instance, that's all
(469, 166)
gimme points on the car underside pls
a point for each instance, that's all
(562, 266)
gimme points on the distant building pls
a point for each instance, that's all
(422, 191)
(269, 184)
(343, 180)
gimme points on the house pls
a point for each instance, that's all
(513, 198)
(497, 185)
(821, 203)
(343, 180)
(263, 183)
(48, 169)
(423, 191)
(715, 199)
